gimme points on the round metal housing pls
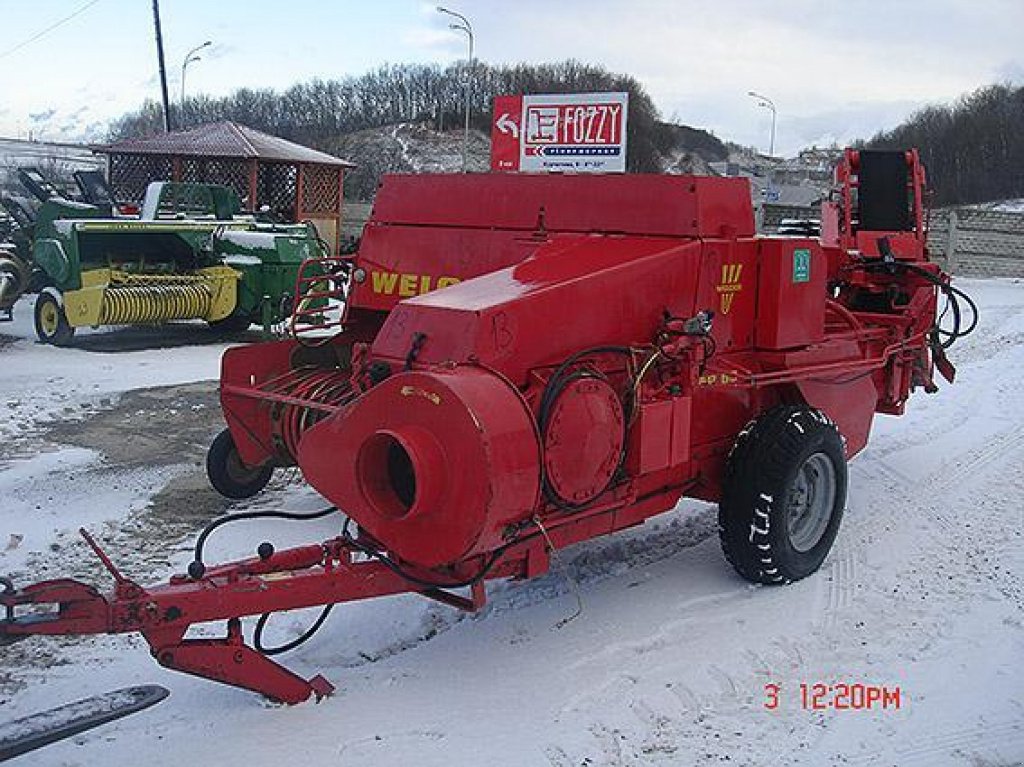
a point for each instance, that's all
(444, 461)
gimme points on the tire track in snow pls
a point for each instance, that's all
(976, 462)
(980, 743)
(842, 576)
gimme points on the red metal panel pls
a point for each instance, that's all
(904, 245)
(650, 438)
(542, 310)
(680, 453)
(851, 406)
(790, 293)
(728, 287)
(675, 206)
(403, 261)
(249, 419)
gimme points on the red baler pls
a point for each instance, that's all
(527, 362)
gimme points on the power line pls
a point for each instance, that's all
(49, 29)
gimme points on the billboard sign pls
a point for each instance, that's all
(564, 132)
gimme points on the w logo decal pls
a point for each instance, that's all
(729, 286)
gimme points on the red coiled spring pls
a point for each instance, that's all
(327, 388)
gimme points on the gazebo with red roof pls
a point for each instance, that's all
(297, 183)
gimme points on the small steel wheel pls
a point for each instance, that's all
(783, 495)
(52, 325)
(229, 475)
(810, 500)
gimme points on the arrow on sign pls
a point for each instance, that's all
(506, 125)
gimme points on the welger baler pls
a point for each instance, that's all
(527, 362)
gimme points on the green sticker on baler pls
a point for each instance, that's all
(801, 265)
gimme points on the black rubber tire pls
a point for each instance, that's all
(51, 322)
(228, 475)
(760, 475)
(232, 324)
(38, 281)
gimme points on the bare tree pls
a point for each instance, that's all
(974, 149)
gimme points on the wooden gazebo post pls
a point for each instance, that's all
(254, 169)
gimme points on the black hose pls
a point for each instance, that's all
(197, 568)
(257, 634)
(953, 297)
(397, 569)
(385, 560)
(553, 387)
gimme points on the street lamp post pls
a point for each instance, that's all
(189, 58)
(767, 103)
(464, 26)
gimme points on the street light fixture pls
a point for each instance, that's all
(463, 26)
(189, 58)
(767, 103)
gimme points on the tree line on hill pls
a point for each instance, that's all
(973, 150)
(317, 112)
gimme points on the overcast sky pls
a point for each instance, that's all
(836, 69)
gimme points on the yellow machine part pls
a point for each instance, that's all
(110, 297)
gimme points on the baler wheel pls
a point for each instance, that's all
(232, 324)
(229, 475)
(52, 325)
(783, 495)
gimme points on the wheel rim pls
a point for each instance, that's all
(49, 320)
(810, 502)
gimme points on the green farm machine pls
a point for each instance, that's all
(188, 255)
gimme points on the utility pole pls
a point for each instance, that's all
(163, 69)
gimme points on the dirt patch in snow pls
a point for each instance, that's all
(162, 426)
(169, 427)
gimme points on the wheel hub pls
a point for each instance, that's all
(810, 502)
(48, 319)
(238, 471)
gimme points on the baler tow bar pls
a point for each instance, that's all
(341, 569)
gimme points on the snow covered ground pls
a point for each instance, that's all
(667, 663)
(1006, 206)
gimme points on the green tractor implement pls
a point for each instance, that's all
(188, 256)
